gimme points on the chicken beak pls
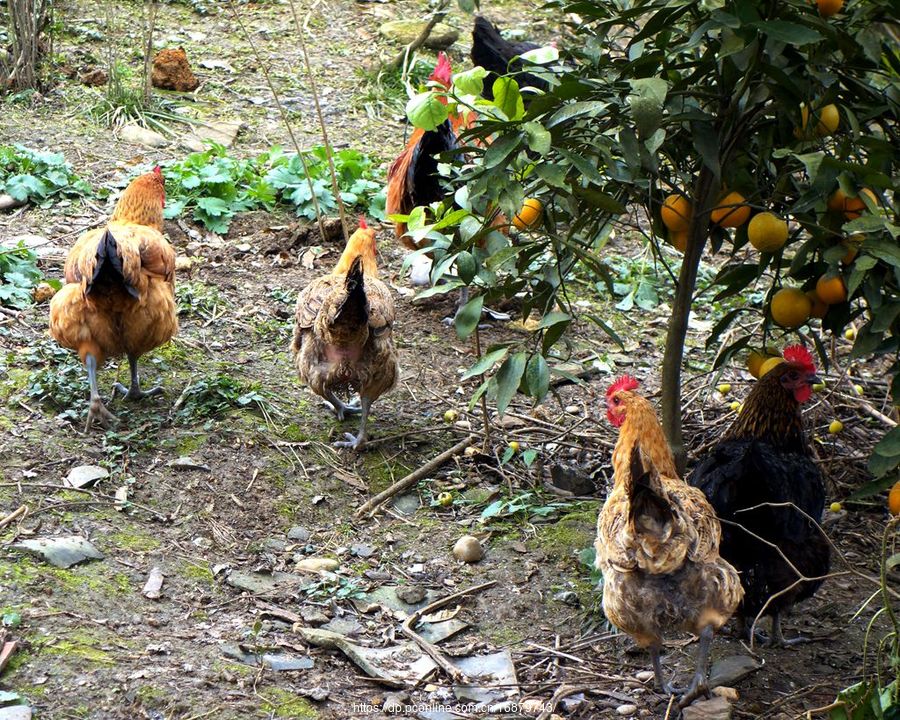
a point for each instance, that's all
(813, 380)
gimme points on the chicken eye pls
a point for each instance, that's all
(617, 400)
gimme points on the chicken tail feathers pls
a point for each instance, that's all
(109, 270)
(354, 309)
(648, 500)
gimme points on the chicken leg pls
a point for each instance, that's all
(339, 408)
(699, 683)
(777, 638)
(134, 392)
(661, 682)
(358, 441)
(97, 412)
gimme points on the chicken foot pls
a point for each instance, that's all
(700, 682)
(358, 441)
(340, 408)
(463, 300)
(134, 392)
(97, 412)
(777, 638)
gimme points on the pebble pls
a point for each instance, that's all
(85, 475)
(298, 533)
(468, 549)
(317, 565)
(394, 703)
(574, 410)
(626, 709)
(729, 693)
(644, 675)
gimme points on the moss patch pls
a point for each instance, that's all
(284, 704)
(133, 540)
(573, 532)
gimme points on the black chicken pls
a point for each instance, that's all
(501, 57)
(763, 460)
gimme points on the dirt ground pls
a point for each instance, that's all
(264, 488)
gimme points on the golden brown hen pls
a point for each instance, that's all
(119, 296)
(658, 543)
(343, 333)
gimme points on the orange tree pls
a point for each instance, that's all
(783, 107)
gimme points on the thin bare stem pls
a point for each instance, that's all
(484, 409)
(311, 76)
(148, 48)
(282, 113)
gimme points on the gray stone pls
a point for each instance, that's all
(188, 463)
(407, 504)
(496, 671)
(260, 583)
(223, 132)
(15, 712)
(142, 136)
(85, 476)
(717, 708)
(394, 702)
(729, 670)
(62, 552)
(313, 616)
(362, 551)
(343, 626)
(406, 31)
(299, 534)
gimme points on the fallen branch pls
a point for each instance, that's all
(6, 651)
(371, 506)
(21, 511)
(455, 674)
(401, 57)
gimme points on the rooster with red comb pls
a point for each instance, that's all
(764, 460)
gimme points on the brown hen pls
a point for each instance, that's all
(119, 296)
(658, 543)
(343, 334)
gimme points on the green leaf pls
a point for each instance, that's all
(553, 174)
(537, 377)
(589, 108)
(501, 149)
(470, 82)
(537, 138)
(485, 363)
(508, 99)
(466, 266)
(468, 317)
(788, 32)
(889, 445)
(508, 378)
(542, 55)
(213, 206)
(426, 111)
(553, 318)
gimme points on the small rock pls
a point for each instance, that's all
(188, 463)
(411, 594)
(314, 693)
(153, 586)
(568, 597)
(62, 552)
(222, 132)
(317, 565)
(313, 616)
(394, 702)
(626, 710)
(573, 410)
(171, 71)
(644, 675)
(468, 549)
(15, 712)
(406, 31)
(729, 693)
(142, 136)
(362, 551)
(718, 708)
(85, 475)
(298, 533)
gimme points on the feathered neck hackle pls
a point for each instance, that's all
(361, 244)
(640, 428)
(771, 413)
(143, 201)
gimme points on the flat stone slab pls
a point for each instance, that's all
(85, 476)
(15, 712)
(731, 669)
(61, 552)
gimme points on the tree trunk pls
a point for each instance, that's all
(704, 191)
(27, 21)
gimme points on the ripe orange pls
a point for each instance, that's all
(767, 232)
(769, 364)
(790, 308)
(827, 8)
(829, 118)
(894, 499)
(852, 207)
(754, 362)
(730, 212)
(679, 240)
(529, 215)
(831, 289)
(676, 213)
(819, 308)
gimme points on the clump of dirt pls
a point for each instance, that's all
(171, 71)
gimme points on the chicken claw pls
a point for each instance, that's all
(134, 392)
(351, 441)
(341, 409)
(700, 682)
(99, 415)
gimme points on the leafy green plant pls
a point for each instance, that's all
(18, 275)
(694, 99)
(526, 504)
(57, 377)
(216, 186)
(215, 395)
(37, 176)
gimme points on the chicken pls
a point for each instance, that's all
(119, 296)
(500, 57)
(413, 179)
(342, 337)
(764, 458)
(658, 543)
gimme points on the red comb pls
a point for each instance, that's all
(626, 382)
(362, 223)
(158, 170)
(799, 355)
(443, 72)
